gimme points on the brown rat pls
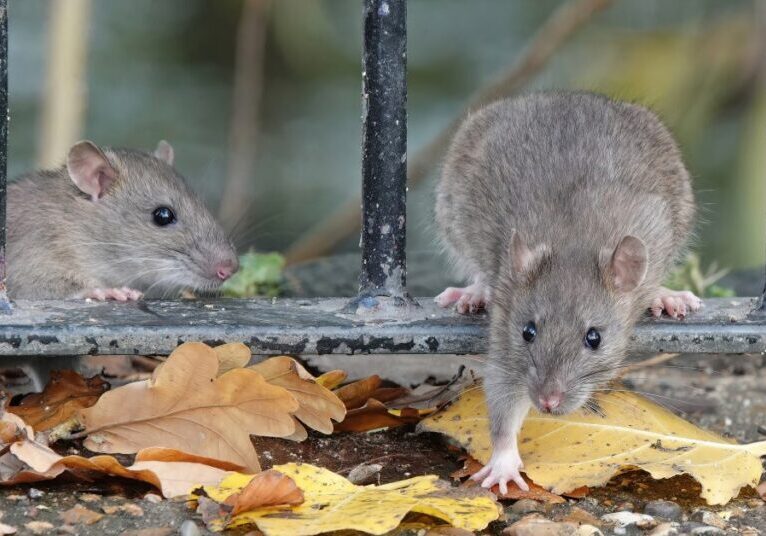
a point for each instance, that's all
(111, 224)
(565, 211)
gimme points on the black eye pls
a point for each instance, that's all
(163, 216)
(592, 338)
(530, 332)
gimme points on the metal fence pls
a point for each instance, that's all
(383, 318)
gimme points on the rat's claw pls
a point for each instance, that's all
(502, 468)
(675, 303)
(118, 294)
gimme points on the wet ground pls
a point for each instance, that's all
(723, 393)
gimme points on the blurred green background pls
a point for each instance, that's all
(166, 69)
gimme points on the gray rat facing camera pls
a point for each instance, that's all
(565, 211)
(110, 224)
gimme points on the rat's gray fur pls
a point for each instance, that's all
(576, 172)
(61, 242)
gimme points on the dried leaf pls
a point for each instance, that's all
(332, 379)
(66, 393)
(232, 355)
(171, 478)
(586, 449)
(356, 394)
(159, 454)
(269, 488)
(79, 515)
(317, 404)
(333, 503)
(186, 407)
(375, 415)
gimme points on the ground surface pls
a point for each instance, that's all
(723, 393)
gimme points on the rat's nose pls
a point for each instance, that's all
(550, 402)
(225, 269)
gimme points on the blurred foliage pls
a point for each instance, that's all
(691, 276)
(260, 274)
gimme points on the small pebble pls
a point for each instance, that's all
(664, 510)
(707, 530)
(761, 429)
(152, 498)
(706, 517)
(190, 528)
(89, 497)
(624, 519)
(626, 506)
(364, 473)
(35, 493)
(526, 506)
(665, 529)
(39, 527)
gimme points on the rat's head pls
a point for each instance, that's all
(565, 318)
(142, 226)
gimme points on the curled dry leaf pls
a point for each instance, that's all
(332, 379)
(356, 394)
(232, 355)
(186, 406)
(269, 488)
(317, 405)
(173, 479)
(159, 454)
(66, 393)
(332, 503)
(630, 432)
(375, 415)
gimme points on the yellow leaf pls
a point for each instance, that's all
(186, 407)
(332, 379)
(232, 355)
(565, 452)
(317, 404)
(333, 503)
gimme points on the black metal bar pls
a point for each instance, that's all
(4, 304)
(384, 151)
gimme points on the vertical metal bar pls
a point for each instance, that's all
(4, 305)
(384, 151)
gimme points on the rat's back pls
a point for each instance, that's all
(572, 170)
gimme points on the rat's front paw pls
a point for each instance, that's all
(119, 294)
(503, 467)
(675, 303)
(470, 299)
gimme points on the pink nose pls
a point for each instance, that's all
(550, 402)
(225, 269)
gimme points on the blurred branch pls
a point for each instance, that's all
(557, 30)
(246, 102)
(65, 90)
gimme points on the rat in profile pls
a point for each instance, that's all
(565, 211)
(112, 224)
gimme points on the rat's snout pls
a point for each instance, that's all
(551, 401)
(226, 268)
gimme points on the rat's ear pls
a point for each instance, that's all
(523, 259)
(89, 169)
(626, 267)
(165, 152)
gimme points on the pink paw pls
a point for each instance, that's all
(503, 466)
(676, 303)
(470, 299)
(118, 294)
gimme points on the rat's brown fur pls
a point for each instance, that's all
(62, 243)
(572, 173)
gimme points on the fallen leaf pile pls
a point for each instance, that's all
(563, 453)
(332, 503)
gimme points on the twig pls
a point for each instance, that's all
(246, 103)
(65, 86)
(655, 360)
(559, 27)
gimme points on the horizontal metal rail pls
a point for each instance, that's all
(318, 327)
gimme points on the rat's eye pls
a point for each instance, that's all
(592, 338)
(163, 216)
(529, 332)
